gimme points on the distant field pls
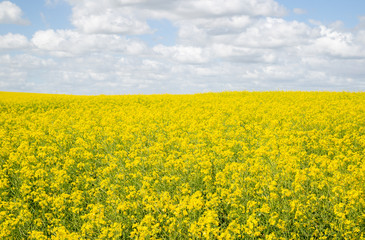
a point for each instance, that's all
(251, 165)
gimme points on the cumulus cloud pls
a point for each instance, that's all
(218, 8)
(271, 33)
(65, 43)
(337, 44)
(183, 54)
(129, 17)
(109, 21)
(13, 41)
(10, 13)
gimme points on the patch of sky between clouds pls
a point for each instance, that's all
(164, 32)
(57, 16)
(325, 12)
(41, 16)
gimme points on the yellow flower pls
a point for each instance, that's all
(232, 165)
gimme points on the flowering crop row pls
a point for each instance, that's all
(252, 165)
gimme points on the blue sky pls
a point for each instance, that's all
(41, 16)
(160, 46)
(56, 15)
(326, 11)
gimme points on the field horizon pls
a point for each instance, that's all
(197, 93)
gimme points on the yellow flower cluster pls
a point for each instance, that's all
(235, 165)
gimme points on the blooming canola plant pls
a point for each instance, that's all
(232, 165)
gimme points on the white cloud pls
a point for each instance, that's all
(108, 21)
(337, 44)
(175, 9)
(233, 53)
(183, 54)
(13, 41)
(201, 31)
(225, 25)
(216, 8)
(360, 37)
(13, 77)
(11, 14)
(69, 43)
(129, 17)
(271, 33)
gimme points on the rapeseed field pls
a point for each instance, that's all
(233, 165)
